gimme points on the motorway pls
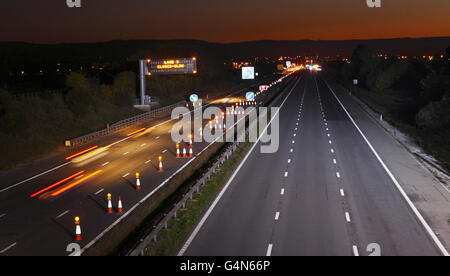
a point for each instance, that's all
(44, 224)
(324, 192)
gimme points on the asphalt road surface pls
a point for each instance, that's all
(44, 224)
(324, 192)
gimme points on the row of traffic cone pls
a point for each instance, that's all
(119, 205)
(191, 153)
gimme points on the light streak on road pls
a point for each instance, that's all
(57, 184)
(70, 186)
(136, 131)
(81, 152)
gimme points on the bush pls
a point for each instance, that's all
(434, 115)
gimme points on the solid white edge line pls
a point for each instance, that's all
(402, 192)
(222, 192)
(33, 177)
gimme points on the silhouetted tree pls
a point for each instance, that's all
(124, 89)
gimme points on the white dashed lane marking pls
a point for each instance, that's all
(282, 192)
(8, 248)
(277, 215)
(347, 217)
(338, 175)
(99, 191)
(104, 164)
(269, 250)
(342, 192)
(125, 175)
(355, 251)
(62, 214)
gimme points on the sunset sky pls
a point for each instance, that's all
(50, 21)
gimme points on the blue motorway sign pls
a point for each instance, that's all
(193, 98)
(250, 96)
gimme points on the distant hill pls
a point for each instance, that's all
(126, 50)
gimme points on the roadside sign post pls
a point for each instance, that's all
(142, 73)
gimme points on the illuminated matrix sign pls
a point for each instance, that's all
(172, 66)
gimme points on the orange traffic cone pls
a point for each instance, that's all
(190, 152)
(77, 229)
(109, 204)
(178, 151)
(138, 182)
(184, 152)
(119, 206)
(160, 167)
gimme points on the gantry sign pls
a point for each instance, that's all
(172, 66)
(165, 67)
